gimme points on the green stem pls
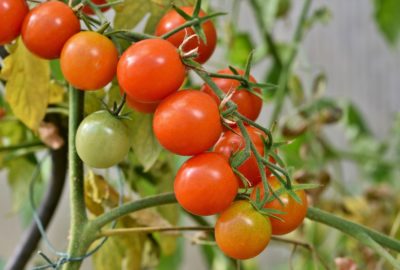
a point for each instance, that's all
(283, 78)
(21, 146)
(78, 236)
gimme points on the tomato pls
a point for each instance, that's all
(205, 184)
(89, 60)
(12, 14)
(231, 142)
(248, 104)
(241, 232)
(102, 140)
(294, 211)
(150, 70)
(187, 122)
(47, 27)
(2, 112)
(141, 106)
(172, 20)
(89, 11)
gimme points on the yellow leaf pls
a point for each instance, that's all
(56, 93)
(27, 88)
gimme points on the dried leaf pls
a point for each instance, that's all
(49, 135)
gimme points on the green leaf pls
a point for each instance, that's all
(239, 48)
(354, 122)
(28, 85)
(143, 142)
(387, 19)
(130, 13)
(11, 133)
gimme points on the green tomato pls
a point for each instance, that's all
(102, 140)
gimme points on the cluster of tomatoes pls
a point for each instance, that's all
(186, 122)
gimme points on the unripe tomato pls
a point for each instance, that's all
(150, 70)
(172, 20)
(205, 184)
(248, 104)
(89, 11)
(232, 142)
(187, 122)
(12, 14)
(89, 60)
(102, 140)
(47, 27)
(294, 211)
(241, 232)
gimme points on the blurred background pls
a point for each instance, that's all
(360, 67)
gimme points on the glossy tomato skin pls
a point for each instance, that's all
(172, 20)
(150, 70)
(294, 212)
(187, 122)
(89, 11)
(248, 104)
(205, 184)
(241, 232)
(102, 140)
(12, 14)
(89, 60)
(47, 27)
(141, 106)
(232, 142)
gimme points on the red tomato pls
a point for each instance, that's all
(89, 60)
(141, 106)
(248, 104)
(172, 20)
(241, 232)
(89, 11)
(187, 122)
(150, 70)
(231, 142)
(205, 184)
(294, 212)
(47, 27)
(12, 14)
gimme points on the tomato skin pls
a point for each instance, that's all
(102, 140)
(172, 20)
(231, 142)
(89, 60)
(141, 106)
(294, 212)
(248, 104)
(89, 11)
(150, 70)
(12, 14)
(205, 184)
(241, 232)
(187, 122)
(47, 27)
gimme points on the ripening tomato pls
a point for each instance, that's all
(89, 11)
(141, 106)
(102, 140)
(12, 14)
(89, 60)
(205, 184)
(47, 27)
(150, 70)
(294, 211)
(232, 142)
(241, 232)
(248, 104)
(187, 122)
(172, 20)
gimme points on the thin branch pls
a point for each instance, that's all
(123, 231)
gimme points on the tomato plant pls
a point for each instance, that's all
(294, 212)
(12, 14)
(88, 10)
(91, 54)
(248, 103)
(205, 184)
(150, 70)
(102, 140)
(241, 232)
(173, 19)
(47, 27)
(233, 141)
(187, 122)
